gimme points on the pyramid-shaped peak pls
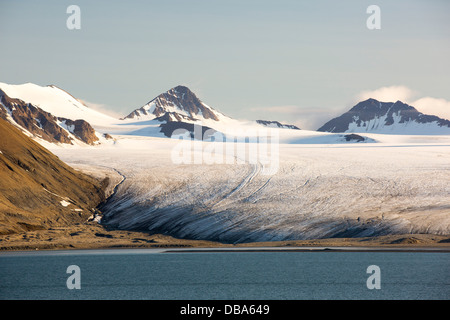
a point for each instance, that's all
(183, 93)
(370, 100)
(367, 104)
(179, 99)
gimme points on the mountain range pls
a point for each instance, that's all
(53, 115)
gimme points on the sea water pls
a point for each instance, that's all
(145, 274)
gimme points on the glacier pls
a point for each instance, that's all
(318, 191)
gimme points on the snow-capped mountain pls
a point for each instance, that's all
(54, 115)
(177, 108)
(373, 116)
(180, 108)
(180, 103)
(57, 102)
(43, 125)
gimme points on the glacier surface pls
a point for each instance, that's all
(397, 186)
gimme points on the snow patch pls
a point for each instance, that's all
(378, 125)
(64, 203)
(68, 128)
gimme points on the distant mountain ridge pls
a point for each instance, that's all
(52, 114)
(276, 124)
(373, 116)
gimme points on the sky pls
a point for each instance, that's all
(298, 62)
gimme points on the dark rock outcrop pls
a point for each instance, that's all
(82, 129)
(354, 137)
(169, 128)
(278, 124)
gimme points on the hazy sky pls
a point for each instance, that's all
(299, 62)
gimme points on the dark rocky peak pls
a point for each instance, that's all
(184, 99)
(369, 104)
(179, 99)
(370, 109)
(372, 106)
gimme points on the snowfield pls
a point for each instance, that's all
(398, 185)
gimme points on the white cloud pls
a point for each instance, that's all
(434, 106)
(388, 94)
(103, 108)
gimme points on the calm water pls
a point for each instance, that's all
(135, 274)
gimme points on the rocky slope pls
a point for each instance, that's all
(37, 189)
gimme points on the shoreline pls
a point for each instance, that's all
(92, 236)
(94, 251)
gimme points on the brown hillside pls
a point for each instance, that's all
(33, 182)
